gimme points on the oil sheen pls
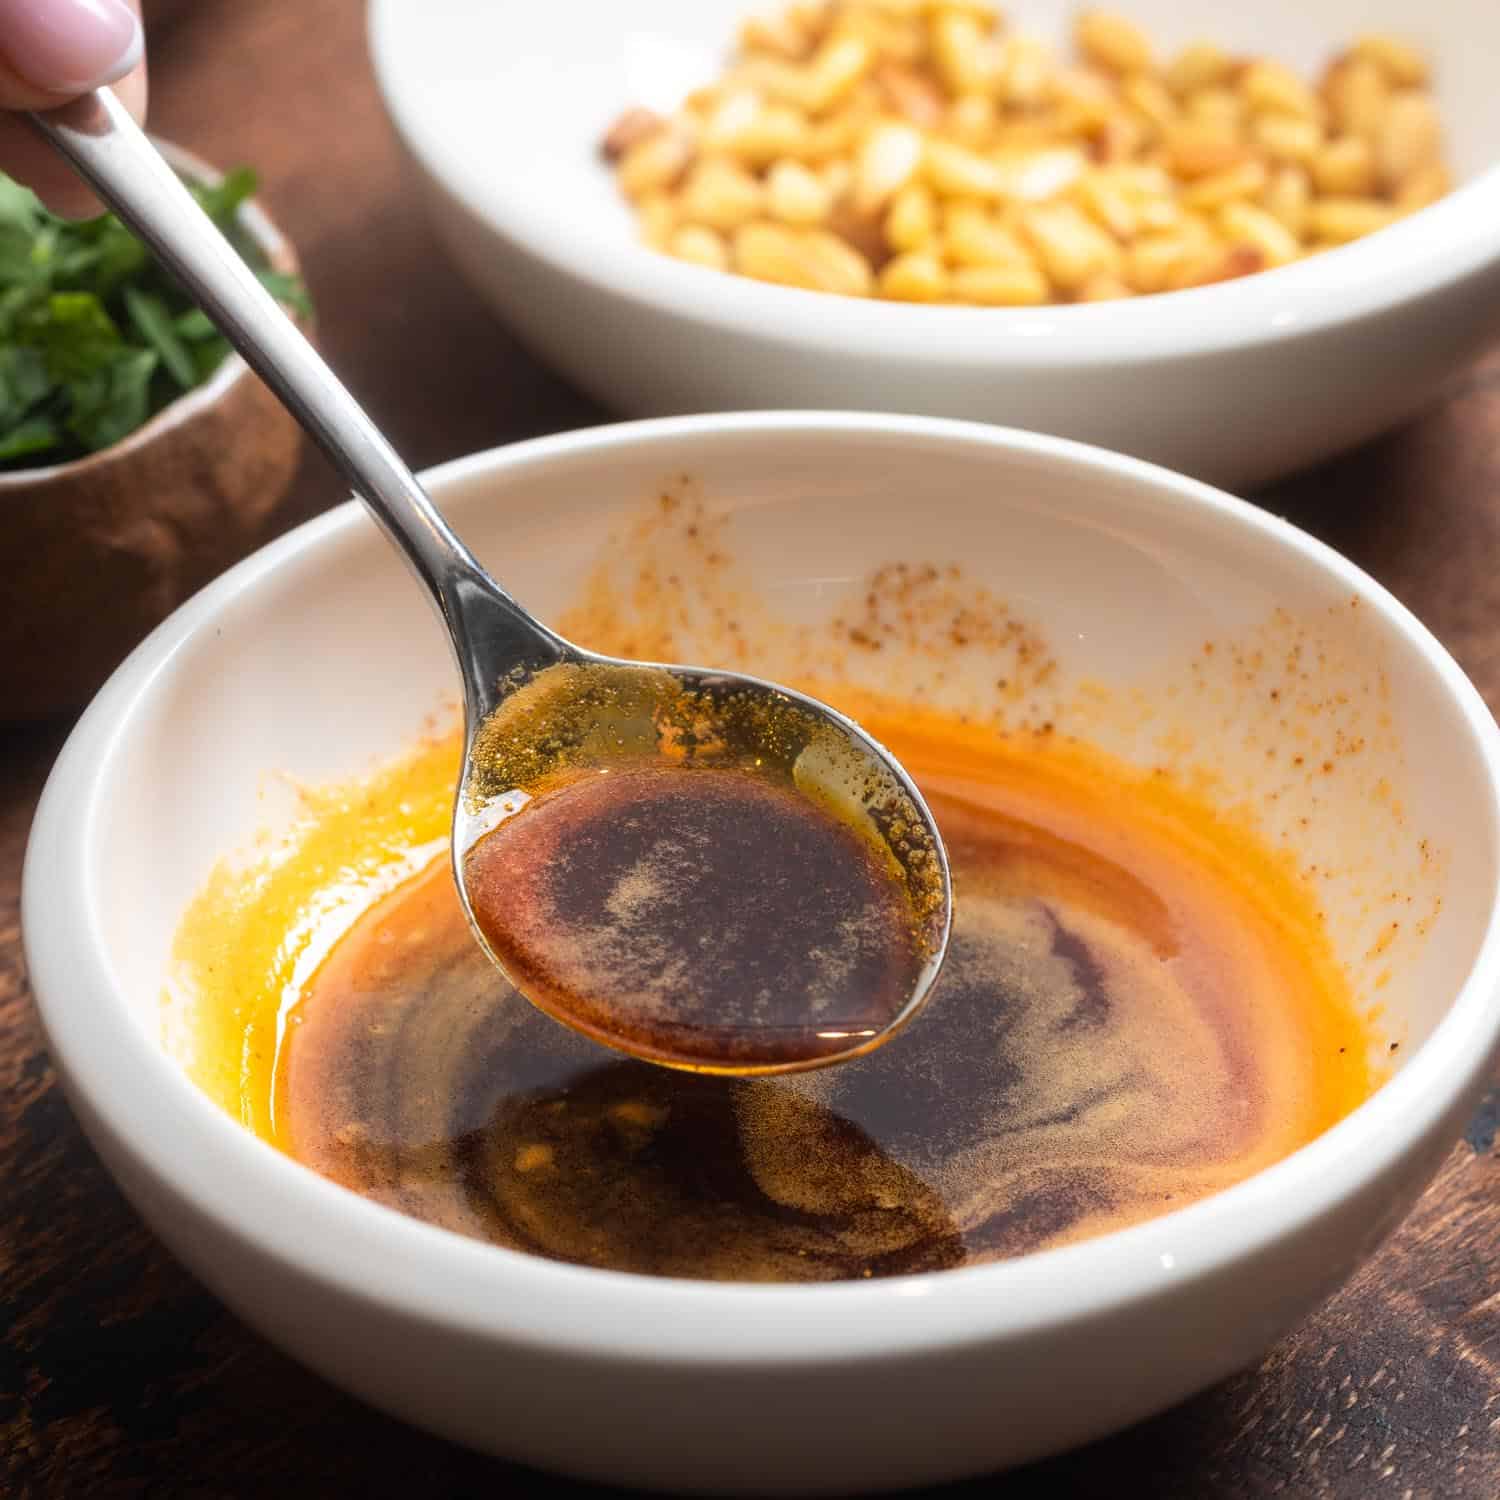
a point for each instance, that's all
(712, 919)
(1139, 1008)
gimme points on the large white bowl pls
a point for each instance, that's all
(318, 656)
(502, 108)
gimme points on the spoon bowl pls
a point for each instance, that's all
(545, 719)
(794, 766)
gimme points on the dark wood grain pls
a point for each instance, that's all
(119, 1375)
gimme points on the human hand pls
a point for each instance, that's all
(50, 52)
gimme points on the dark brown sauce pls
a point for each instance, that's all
(1124, 1025)
(708, 918)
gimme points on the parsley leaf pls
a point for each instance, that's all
(23, 381)
(221, 201)
(112, 399)
(35, 435)
(95, 336)
(73, 331)
(153, 322)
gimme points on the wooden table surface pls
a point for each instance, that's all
(120, 1375)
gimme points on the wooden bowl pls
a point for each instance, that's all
(97, 552)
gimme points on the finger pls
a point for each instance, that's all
(25, 156)
(29, 159)
(51, 50)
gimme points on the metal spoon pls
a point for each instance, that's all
(525, 687)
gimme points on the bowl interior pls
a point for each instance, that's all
(511, 105)
(1185, 631)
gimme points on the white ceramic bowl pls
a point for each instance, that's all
(318, 656)
(503, 106)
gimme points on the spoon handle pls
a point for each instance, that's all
(111, 152)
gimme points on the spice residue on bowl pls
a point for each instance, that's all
(1142, 1004)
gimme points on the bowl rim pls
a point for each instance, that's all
(156, 1127)
(280, 253)
(1434, 249)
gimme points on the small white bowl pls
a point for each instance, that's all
(503, 107)
(317, 657)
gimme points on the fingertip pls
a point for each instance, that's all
(30, 160)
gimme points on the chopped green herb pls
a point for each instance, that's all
(34, 435)
(154, 324)
(95, 336)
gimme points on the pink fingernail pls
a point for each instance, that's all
(68, 46)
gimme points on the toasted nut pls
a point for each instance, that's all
(973, 237)
(795, 194)
(1339, 220)
(1103, 288)
(837, 66)
(656, 162)
(721, 194)
(1110, 203)
(1033, 175)
(1357, 92)
(1000, 286)
(839, 267)
(836, 175)
(1151, 261)
(1271, 88)
(1286, 137)
(702, 246)
(894, 36)
(1199, 66)
(1218, 106)
(1027, 69)
(1248, 180)
(1288, 197)
(1245, 223)
(1031, 129)
(1151, 100)
(633, 127)
(1120, 140)
(1411, 137)
(962, 173)
(809, 258)
(1105, 37)
(836, 138)
(981, 10)
(1086, 98)
(786, 36)
(1425, 185)
(1070, 246)
(1344, 167)
(973, 121)
(759, 136)
(917, 276)
(1220, 265)
(912, 220)
(1145, 179)
(910, 94)
(657, 215)
(1401, 63)
(1154, 214)
(1196, 149)
(887, 161)
(960, 53)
